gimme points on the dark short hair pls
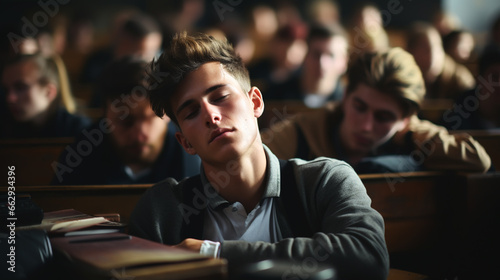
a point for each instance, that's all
(186, 53)
(139, 26)
(394, 73)
(490, 56)
(319, 31)
(120, 78)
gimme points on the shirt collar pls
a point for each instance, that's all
(271, 182)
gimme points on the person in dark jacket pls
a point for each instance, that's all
(39, 103)
(129, 145)
(246, 205)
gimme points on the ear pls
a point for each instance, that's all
(185, 143)
(257, 101)
(51, 92)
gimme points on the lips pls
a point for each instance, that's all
(218, 132)
(361, 140)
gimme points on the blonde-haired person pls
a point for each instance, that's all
(376, 128)
(38, 99)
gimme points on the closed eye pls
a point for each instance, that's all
(359, 105)
(384, 117)
(220, 98)
(192, 113)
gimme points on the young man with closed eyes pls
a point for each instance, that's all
(247, 205)
(376, 128)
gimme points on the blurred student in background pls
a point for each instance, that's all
(137, 35)
(479, 108)
(284, 58)
(323, 12)
(376, 128)
(320, 78)
(38, 98)
(130, 145)
(459, 44)
(444, 78)
(366, 30)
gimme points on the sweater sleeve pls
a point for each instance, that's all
(351, 234)
(155, 216)
(437, 149)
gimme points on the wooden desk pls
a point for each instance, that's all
(130, 257)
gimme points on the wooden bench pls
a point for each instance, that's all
(279, 110)
(421, 212)
(480, 243)
(409, 203)
(434, 109)
(412, 206)
(96, 199)
(32, 159)
(424, 212)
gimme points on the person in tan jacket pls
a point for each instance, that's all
(375, 128)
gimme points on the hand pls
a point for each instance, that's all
(190, 244)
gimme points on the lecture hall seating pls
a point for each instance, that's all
(32, 159)
(423, 211)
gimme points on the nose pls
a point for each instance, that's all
(324, 61)
(367, 121)
(140, 132)
(11, 97)
(212, 114)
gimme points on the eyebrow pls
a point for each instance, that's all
(376, 111)
(190, 101)
(359, 100)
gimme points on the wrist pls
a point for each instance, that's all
(210, 249)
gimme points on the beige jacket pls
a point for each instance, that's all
(438, 149)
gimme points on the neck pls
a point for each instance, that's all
(241, 179)
(138, 167)
(40, 122)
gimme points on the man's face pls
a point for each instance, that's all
(138, 134)
(370, 119)
(429, 54)
(217, 119)
(326, 60)
(26, 97)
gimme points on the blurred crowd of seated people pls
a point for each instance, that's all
(130, 143)
(52, 81)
